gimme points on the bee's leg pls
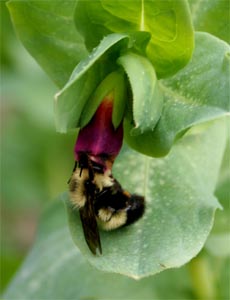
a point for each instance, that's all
(74, 169)
(90, 170)
(75, 166)
(80, 171)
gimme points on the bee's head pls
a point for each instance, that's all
(99, 164)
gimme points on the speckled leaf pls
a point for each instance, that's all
(168, 23)
(198, 93)
(87, 75)
(180, 206)
(147, 98)
(46, 29)
(54, 269)
(218, 243)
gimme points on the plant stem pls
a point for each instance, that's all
(202, 279)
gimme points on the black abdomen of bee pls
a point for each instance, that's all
(136, 209)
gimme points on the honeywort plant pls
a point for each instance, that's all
(170, 90)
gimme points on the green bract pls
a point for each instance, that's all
(89, 73)
(198, 93)
(187, 98)
(114, 86)
(168, 23)
(159, 31)
(147, 101)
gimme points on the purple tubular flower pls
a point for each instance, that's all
(99, 139)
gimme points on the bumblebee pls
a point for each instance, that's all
(101, 200)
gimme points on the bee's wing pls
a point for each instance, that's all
(89, 225)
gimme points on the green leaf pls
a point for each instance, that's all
(212, 17)
(198, 93)
(54, 269)
(223, 186)
(168, 22)
(47, 31)
(218, 243)
(147, 99)
(88, 74)
(179, 206)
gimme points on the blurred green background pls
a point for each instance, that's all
(36, 162)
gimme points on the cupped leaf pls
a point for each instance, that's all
(54, 269)
(88, 74)
(168, 23)
(147, 100)
(212, 17)
(46, 29)
(196, 94)
(179, 206)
